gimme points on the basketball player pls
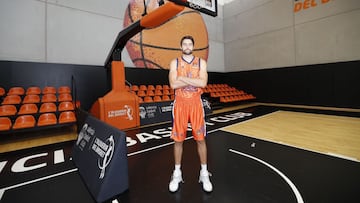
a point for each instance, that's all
(187, 76)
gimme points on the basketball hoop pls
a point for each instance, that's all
(195, 6)
(208, 7)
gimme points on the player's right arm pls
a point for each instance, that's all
(173, 78)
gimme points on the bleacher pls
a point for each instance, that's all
(217, 93)
(35, 108)
(152, 93)
(50, 106)
(226, 94)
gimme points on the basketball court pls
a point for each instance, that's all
(256, 152)
(244, 168)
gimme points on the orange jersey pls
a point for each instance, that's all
(190, 70)
(187, 104)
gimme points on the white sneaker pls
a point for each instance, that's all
(205, 180)
(176, 178)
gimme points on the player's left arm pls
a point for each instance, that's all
(203, 76)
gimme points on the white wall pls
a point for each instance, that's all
(262, 34)
(246, 35)
(76, 31)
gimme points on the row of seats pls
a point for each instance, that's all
(35, 106)
(226, 99)
(225, 93)
(219, 89)
(11, 110)
(147, 87)
(159, 93)
(34, 98)
(143, 93)
(216, 85)
(149, 99)
(34, 90)
(152, 93)
(29, 121)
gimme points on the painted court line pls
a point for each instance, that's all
(163, 145)
(288, 181)
(73, 170)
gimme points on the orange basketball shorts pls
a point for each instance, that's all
(185, 111)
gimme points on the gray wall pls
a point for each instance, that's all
(76, 31)
(246, 35)
(260, 34)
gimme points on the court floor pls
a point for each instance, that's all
(244, 168)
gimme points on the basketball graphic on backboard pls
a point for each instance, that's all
(156, 47)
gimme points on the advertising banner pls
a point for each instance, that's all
(100, 153)
(157, 112)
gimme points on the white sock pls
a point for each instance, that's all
(203, 167)
(177, 167)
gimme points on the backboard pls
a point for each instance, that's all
(208, 7)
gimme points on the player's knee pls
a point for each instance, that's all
(201, 142)
(179, 143)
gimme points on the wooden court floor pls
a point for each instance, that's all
(328, 134)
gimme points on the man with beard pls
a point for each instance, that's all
(187, 76)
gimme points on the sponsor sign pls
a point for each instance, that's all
(100, 153)
(300, 5)
(158, 112)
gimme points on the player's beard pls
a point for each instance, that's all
(187, 52)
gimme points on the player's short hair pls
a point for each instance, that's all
(187, 37)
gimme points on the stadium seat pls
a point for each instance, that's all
(47, 119)
(166, 92)
(66, 106)
(49, 90)
(150, 93)
(47, 107)
(65, 97)
(2, 91)
(158, 87)
(150, 87)
(67, 117)
(28, 109)
(158, 92)
(5, 123)
(33, 90)
(12, 99)
(16, 91)
(166, 98)
(157, 99)
(141, 93)
(64, 90)
(7, 110)
(148, 99)
(143, 87)
(31, 98)
(48, 98)
(166, 87)
(134, 88)
(222, 99)
(24, 121)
